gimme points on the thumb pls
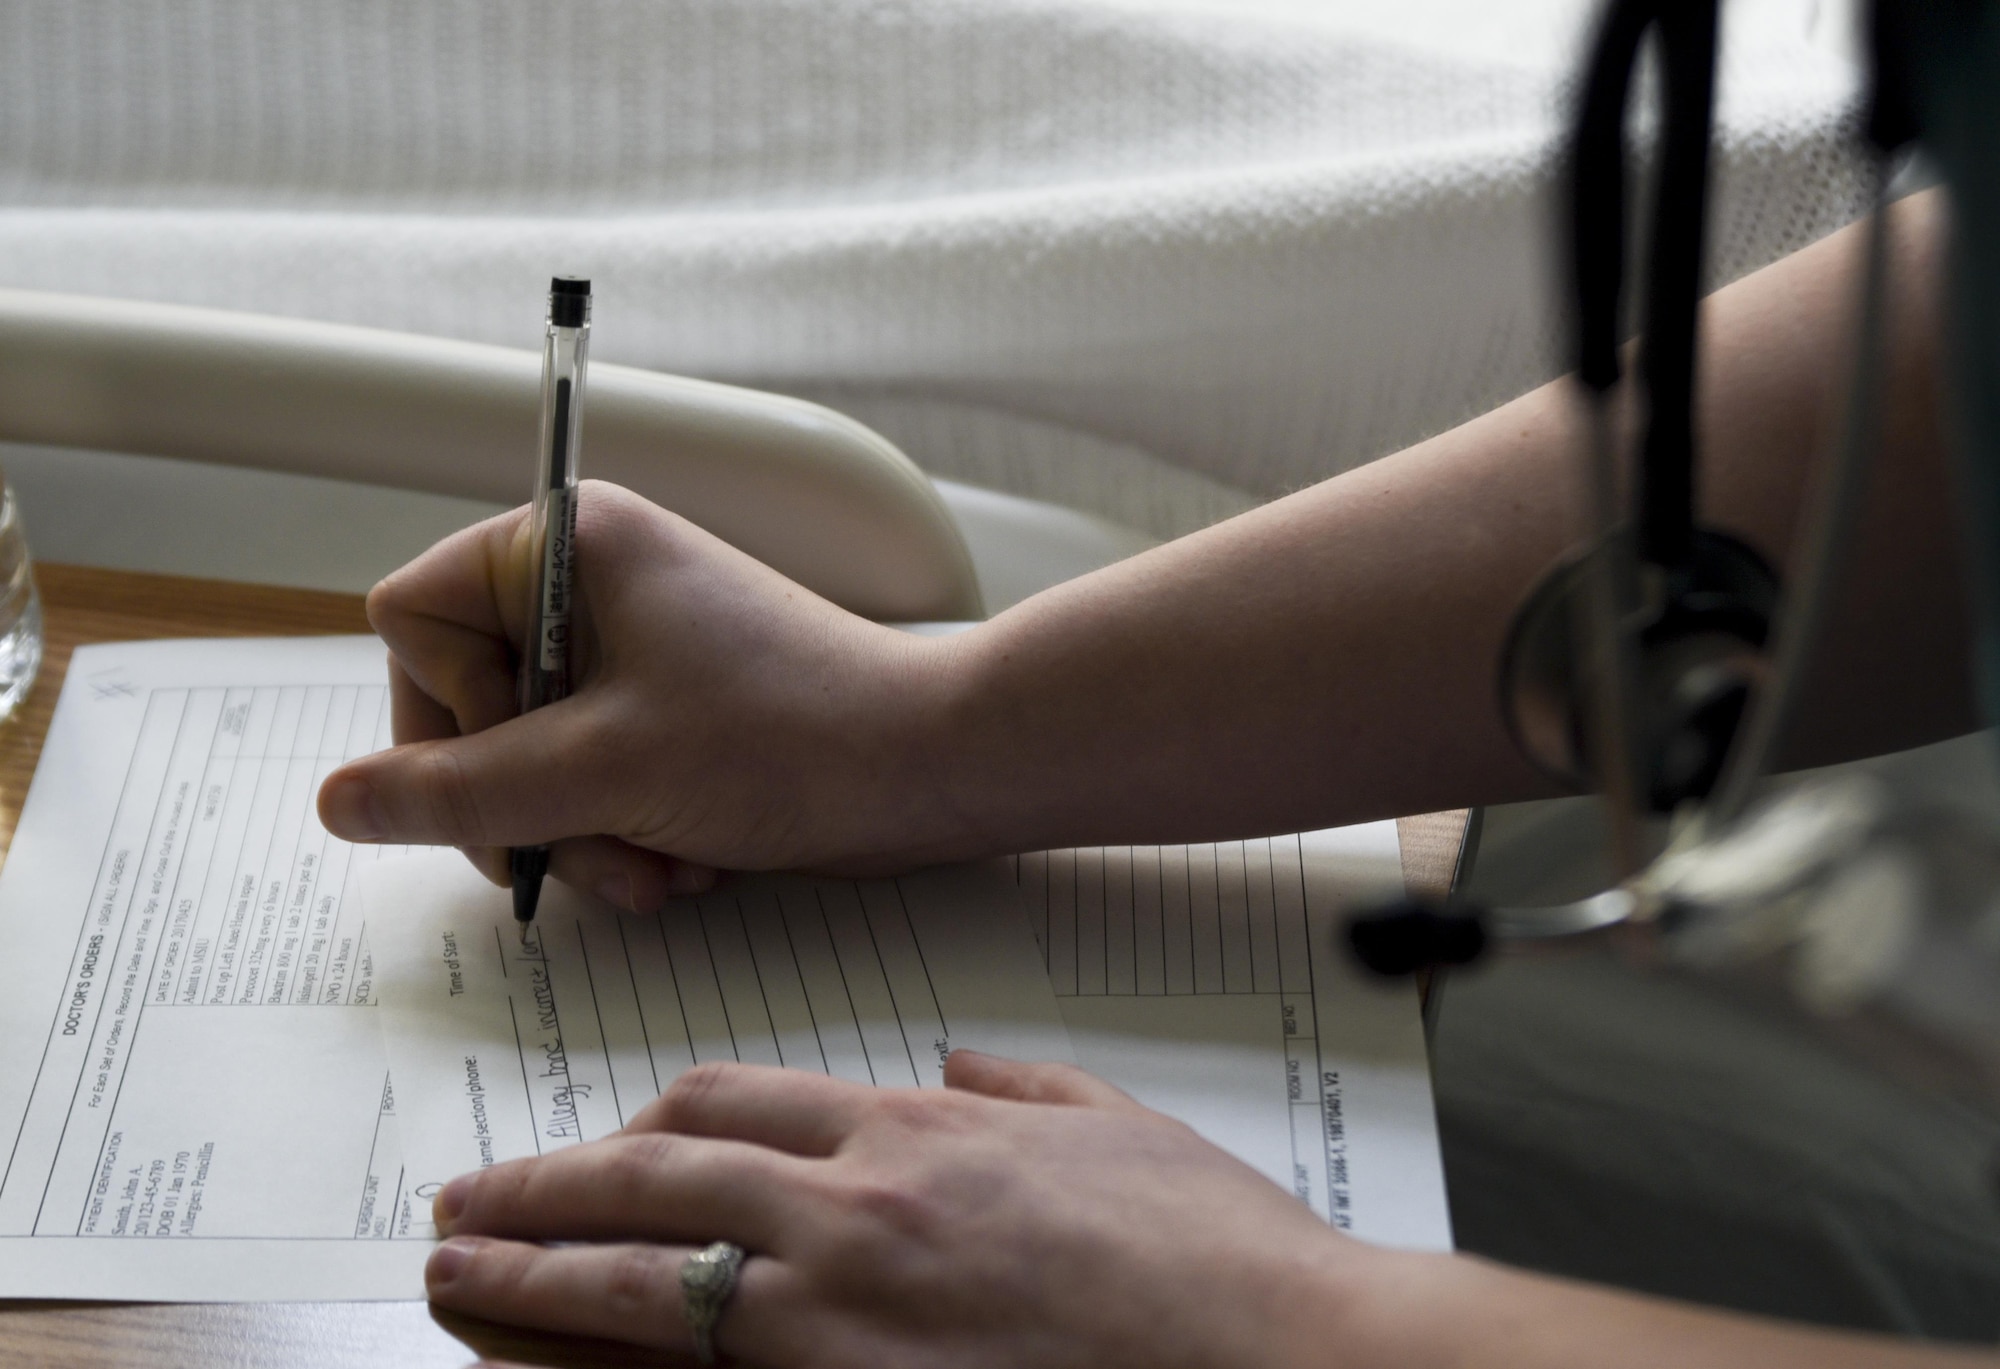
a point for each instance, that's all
(1021, 1082)
(520, 783)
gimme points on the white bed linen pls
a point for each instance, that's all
(1149, 259)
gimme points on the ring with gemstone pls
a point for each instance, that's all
(708, 1277)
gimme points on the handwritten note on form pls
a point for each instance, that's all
(1208, 982)
(195, 1103)
(504, 1049)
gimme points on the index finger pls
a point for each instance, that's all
(651, 1187)
(789, 1110)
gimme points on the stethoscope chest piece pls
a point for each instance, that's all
(1695, 643)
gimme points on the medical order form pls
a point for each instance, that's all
(193, 1057)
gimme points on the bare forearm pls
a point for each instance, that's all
(1332, 656)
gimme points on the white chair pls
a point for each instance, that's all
(806, 490)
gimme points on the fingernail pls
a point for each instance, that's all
(617, 890)
(451, 1200)
(348, 808)
(448, 1261)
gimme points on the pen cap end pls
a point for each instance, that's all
(569, 301)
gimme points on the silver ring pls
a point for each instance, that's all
(708, 1277)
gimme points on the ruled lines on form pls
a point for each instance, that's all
(1223, 917)
(822, 977)
(504, 1048)
(1211, 982)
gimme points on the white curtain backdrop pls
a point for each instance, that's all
(1153, 260)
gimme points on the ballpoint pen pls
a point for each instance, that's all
(545, 652)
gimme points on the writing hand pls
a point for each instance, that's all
(723, 715)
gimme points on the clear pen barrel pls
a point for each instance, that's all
(545, 667)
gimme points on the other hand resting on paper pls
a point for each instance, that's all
(1030, 1215)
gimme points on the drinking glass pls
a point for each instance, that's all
(20, 608)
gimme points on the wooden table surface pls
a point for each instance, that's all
(83, 605)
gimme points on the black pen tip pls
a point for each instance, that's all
(527, 895)
(528, 865)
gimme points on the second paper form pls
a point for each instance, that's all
(1209, 982)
